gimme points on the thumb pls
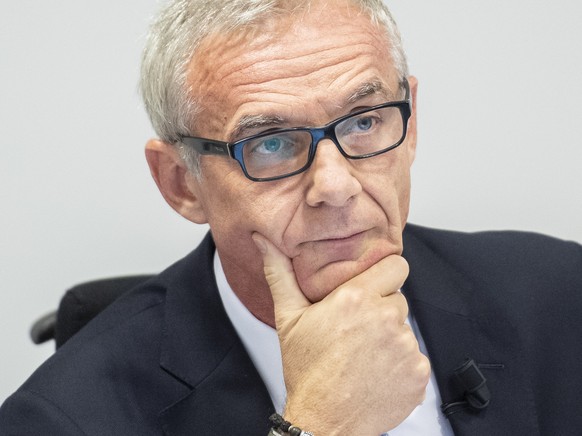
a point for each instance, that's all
(287, 295)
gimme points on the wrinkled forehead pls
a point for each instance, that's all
(287, 20)
(282, 27)
(303, 51)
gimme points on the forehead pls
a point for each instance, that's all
(290, 66)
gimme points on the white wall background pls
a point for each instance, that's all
(500, 112)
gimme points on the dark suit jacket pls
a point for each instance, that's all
(165, 359)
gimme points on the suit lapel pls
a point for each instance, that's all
(224, 393)
(230, 400)
(457, 320)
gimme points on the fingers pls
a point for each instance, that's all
(287, 294)
(398, 303)
(382, 281)
(384, 277)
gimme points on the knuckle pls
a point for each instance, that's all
(421, 372)
(401, 302)
(349, 297)
(424, 368)
(404, 265)
(390, 315)
(399, 265)
(272, 276)
(409, 343)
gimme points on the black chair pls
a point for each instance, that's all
(79, 305)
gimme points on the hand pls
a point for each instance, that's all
(351, 365)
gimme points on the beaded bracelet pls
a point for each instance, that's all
(287, 429)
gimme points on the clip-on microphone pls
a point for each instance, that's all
(476, 394)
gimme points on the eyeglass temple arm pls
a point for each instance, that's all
(206, 146)
(407, 93)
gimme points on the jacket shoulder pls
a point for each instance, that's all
(110, 369)
(501, 249)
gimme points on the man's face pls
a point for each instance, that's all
(340, 216)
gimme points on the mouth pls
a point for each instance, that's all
(335, 248)
(341, 237)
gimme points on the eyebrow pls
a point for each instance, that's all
(370, 88)
(253, 122)
(250, 122)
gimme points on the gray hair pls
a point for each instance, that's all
(177, 32)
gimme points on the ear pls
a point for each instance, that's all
(411, 132)
(179, 187)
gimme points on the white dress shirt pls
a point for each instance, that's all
(256, 336)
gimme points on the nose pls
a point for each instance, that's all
(332, 181)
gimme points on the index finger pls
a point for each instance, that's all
(384, 277)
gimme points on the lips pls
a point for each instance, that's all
(335, 249)
(341, 237)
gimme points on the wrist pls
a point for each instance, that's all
(281, 427)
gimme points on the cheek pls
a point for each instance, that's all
(240, 207)
(389, 187)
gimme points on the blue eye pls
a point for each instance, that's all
(272, 145)
(364, 123)
(280, 152)
(281, 146)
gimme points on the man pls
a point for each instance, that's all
(307, 235)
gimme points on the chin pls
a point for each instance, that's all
(320, 283)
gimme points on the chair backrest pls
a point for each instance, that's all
(79, 305)
(83, 302)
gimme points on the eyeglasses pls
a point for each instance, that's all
(280, 153)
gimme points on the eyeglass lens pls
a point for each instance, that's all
(285, 152)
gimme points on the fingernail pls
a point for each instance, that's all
(260, 243)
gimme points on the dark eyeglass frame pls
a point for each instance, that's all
(206, 146)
